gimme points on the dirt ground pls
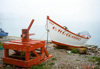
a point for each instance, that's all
(65, 60)
(61, 59)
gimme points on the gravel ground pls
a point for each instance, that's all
(1, 56)
(68, 61)
(61, 59)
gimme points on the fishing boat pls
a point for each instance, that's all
(62, 36)
(3, 33)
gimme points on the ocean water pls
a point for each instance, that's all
(13, 26)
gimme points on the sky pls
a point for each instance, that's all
(77, 15)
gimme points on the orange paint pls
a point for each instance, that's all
(62, 44)
(28, 46)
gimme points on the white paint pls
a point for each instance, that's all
(61, 38)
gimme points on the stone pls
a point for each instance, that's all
(82, 50)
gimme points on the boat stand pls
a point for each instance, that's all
(27, 52)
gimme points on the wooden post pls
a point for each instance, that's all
(6, 52)
(27, 56)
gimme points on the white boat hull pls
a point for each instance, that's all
(62, 36)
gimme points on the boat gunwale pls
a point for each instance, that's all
(66, 29)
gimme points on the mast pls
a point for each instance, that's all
(47, 30)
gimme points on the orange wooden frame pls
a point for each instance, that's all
(27, 62)
(27, 46)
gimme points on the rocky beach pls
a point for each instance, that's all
(62, 58)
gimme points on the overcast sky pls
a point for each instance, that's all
(68, 9)
(77, 11)
(78, 15)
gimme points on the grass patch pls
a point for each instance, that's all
(74, 51)
(77, 60)
(43, 66)
(1, 46)
(54, 58)
(96, 60)
(52, 64)
(86, 56)
(40, 66)
(96, 67)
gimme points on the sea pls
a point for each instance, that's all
(14, 25)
